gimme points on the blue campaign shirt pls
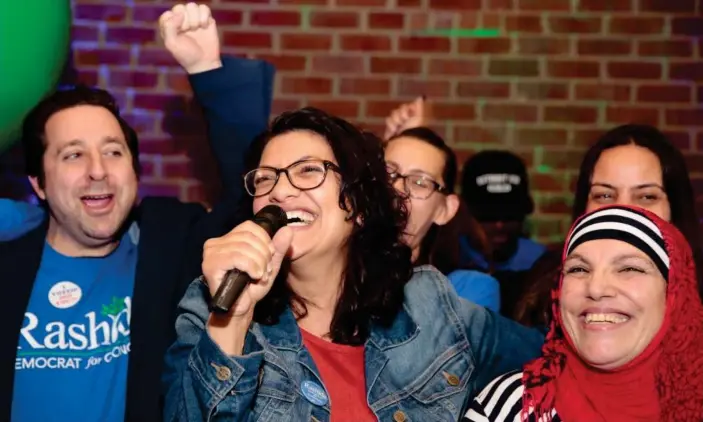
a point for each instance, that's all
(74, 344)
(528, 251)
(477, 287)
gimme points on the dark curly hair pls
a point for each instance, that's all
(34, 124)
(378, 262)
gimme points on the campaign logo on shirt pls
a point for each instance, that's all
(97, 337)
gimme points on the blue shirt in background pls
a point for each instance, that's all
(17, 218)
(74, 343)
(528, 251)
(477, 287)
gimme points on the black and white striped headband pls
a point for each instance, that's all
(626, 225)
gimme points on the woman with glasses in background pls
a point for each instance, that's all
(337, 325)
(423, 169)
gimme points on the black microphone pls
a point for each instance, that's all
(271, 218)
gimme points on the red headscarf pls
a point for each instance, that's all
(664, 383)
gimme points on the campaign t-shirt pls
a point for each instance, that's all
(74, 344)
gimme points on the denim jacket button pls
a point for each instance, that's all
(222, 372)
(399, 416)
(452, 379)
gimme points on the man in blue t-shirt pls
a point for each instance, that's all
(94, 287)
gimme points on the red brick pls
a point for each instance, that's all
(88, 77)
(100, 12)
(178, 82)
(453, 111)
(602, 92)
(484, 45)
(456, 4)
(281, 105)
(178, 168)
(554, 204)
(607, 47)
(524, 23)
(382, 20)
(284, 62)
(156, 145)
(163, 102)
(681, 140)
(155, 57)
(147, 13)
(142, 122)
(622, 114)
(540, 137)
(395, 65)
(509, 113)
(247, 39)
(544, 5)
(684, 117)
(636, 25)
(687, 26)
(574, 25)
(303, 41)
(457, 67)
(362, 3)
(664, 94)
(563, 160)
(431, 88)
(678, 48)
(547, 182)
(343, 108)
(409, 3)
(605, 5)
(127, 35)
(349, 42)
(307, 85)
(480, 135)
(424, 44)
(686, 71)
(243, 1)
(85, 33)
(498, 67)
(94, 57)
(634, 70)
(299, 2)
(668, 6)
(133, 79)
(694, 164)
(570, 114)
(485, 89)
(380, 109)
(334, 19)
(274, 18)
(364, 86)
(542, 91)
(586, 138)
(500, 4)
(699, 95)
(543, 46)
(338, 64)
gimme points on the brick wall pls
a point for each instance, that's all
(544, 78)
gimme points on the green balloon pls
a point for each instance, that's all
(34, 43)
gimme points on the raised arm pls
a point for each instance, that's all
(235, 93)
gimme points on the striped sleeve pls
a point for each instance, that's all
(500, 401)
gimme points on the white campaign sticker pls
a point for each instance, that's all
(65, 294)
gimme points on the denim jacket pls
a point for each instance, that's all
(426, 366)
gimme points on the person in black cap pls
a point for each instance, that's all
(495, 188)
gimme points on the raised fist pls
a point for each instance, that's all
(408, 115)
(190, 34)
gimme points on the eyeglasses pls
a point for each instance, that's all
(416, 185)
(303, 175)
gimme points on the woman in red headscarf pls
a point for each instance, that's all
(626, 341)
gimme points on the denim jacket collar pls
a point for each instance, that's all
(286, 334)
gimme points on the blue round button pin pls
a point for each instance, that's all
(314, 393)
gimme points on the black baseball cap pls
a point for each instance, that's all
(495, 186)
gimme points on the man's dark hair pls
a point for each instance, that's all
(34, 125)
